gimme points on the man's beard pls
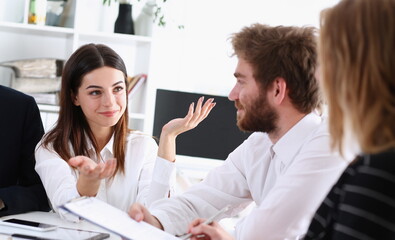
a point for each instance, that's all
(258, 117)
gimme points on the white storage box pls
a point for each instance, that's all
(38, 75)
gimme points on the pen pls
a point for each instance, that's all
(208, 221)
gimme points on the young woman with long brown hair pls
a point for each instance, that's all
(91, 152)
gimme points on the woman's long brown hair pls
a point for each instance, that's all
(69, 136)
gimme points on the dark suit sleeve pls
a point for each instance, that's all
(28, 193)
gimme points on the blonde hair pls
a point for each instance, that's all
(357, 56)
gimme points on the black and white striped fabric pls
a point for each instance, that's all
(361, 205)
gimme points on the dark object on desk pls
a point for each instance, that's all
(72, 234)
(22, 236)
(214, 138)
(29, 225)
(21, 129)
(59, 233)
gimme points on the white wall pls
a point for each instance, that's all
(196, 59)
(9, 10)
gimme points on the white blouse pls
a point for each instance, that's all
(146, 178)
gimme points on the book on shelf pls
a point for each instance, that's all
(135, 83)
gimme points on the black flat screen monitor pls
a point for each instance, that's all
(214, 138)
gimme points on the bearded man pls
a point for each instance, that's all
(286, 166)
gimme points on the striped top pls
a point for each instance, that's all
(361, 205)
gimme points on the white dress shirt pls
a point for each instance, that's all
(146, 178)
(301, 174)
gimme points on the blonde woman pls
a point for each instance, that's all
(357, 52)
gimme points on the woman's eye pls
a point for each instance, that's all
(118, 89)
(94, 93)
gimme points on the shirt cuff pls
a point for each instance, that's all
(72, 193)
(75, 193)
(164, 171)
(164, 220)
(67, 215)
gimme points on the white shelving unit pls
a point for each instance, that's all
(20, 40)
(49, 115)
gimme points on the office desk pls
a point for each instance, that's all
(54, 219)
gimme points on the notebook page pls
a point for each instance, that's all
(114, 220)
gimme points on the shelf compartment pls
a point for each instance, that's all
(115, 37)
(22, 28)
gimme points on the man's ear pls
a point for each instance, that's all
(279, 90)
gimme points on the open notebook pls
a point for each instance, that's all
(114, 220)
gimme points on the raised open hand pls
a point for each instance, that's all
(191, 120)
(172, 129)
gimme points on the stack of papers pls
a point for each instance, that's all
(114, 220)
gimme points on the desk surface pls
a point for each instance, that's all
(54, 219)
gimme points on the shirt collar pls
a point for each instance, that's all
(108, 148)
(288, 145)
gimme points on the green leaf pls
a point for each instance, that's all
(109, 2)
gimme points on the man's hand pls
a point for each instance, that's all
(203, 231)
(139, 213)
(90, 173)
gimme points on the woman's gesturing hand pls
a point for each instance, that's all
(90, 173)
(167, 142)
(191, 120)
